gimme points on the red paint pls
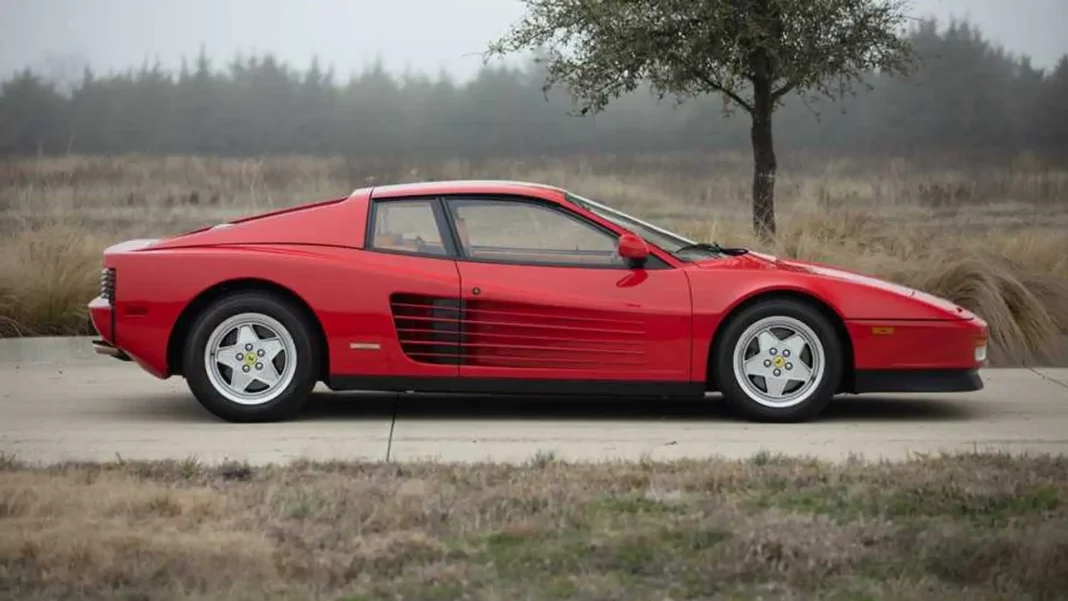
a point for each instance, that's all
(633, 247)
(524, 321)
(576, 323)
(915, 344)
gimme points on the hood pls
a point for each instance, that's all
(757, 260)
(130, 245)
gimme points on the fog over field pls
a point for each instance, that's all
(425, 34)
(362, 79)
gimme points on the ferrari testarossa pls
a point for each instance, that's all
(508, 287)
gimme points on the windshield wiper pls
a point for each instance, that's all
(713, 247)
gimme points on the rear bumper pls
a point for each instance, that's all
(103, 347)
(102, 316)
(917, 380)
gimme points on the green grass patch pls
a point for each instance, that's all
(975, 527)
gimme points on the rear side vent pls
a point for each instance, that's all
(107, 284)
(428, 327)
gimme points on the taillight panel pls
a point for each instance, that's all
(107, 284)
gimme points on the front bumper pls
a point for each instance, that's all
(916, 346)
(917, 380)
(919, 356)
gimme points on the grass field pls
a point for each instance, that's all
(965, 527)
(991, 236)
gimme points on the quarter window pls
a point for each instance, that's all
(406, 226)
(526, 232)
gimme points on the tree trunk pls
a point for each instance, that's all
(764, 165)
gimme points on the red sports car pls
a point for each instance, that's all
(508, 287)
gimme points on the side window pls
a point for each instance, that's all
(406, 226)
(527, 232)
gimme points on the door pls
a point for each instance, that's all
(546, 297)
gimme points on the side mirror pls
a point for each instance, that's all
(633, 249)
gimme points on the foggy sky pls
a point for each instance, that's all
(425, 35)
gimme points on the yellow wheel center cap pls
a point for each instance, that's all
(250, 358)
(779, 361)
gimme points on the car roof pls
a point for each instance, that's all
(468, 186)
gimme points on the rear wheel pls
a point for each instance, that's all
(778, 360)
(251, 357)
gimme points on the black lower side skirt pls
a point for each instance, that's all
(517, 386)
(865, 381)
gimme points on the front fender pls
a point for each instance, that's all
(719, 290)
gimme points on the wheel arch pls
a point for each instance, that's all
(826, 309)
(202, 301)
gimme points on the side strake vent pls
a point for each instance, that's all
(518, 335)
(428, 327)
(528, 335)
(107, 284)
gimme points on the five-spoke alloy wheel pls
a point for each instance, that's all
(251, 357)
(778, 360)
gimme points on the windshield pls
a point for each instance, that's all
(677, 245)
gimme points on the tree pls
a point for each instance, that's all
(1051, 116)
(751, 52)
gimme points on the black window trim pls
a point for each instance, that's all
(448, 240)
(448, 200)
(444, 217)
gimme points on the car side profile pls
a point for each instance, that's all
(510, 287)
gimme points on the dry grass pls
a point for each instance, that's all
(990, 237)
(954, 527)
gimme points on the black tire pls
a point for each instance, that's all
(748, 405)
(295, 394)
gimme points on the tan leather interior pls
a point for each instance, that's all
(394, 242)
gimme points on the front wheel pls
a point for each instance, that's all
(778, 360)
(251, 357)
